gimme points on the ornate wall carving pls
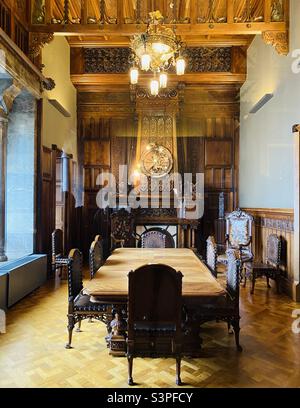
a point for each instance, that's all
(106, 60)
(278, 39)
(117, 60)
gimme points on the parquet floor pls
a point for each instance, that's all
(32, 352)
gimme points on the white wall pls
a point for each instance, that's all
(58, 129)
(266, 144)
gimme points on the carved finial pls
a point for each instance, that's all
(48, 84)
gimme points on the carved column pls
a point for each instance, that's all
(3, 151)
(296, 285)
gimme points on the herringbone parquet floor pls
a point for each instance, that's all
(32, 352)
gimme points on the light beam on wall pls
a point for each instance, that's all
(261, 102)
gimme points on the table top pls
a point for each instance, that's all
(112, 277)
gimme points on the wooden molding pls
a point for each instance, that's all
(278, 39)
(276, 213)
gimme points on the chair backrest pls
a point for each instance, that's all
(95, 257)
(233, 276)
(122, 225)
(274, 250)
(239, 229)
(57, 242)
(211, 254)
(75, 284)
(153, 239)
(98, 238)
(155, 299)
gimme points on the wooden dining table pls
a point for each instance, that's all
(110, 287)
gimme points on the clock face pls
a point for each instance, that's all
(156, 161)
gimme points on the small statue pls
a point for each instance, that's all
(221, 206)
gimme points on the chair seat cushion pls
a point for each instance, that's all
(83, 304)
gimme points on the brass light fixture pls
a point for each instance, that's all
(157, 50)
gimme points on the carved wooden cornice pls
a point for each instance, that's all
(278, 39)
(37, 42)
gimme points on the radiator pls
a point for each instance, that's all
(3, 290)
(24, 276)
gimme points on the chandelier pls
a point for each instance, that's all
(156, 50)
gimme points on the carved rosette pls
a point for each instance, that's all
(38, 41)
(278, 39)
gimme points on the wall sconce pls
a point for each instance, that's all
(261, 103)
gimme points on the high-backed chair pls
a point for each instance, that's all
(238, 236)
(156, 237)
(153, 239)
(227, 308)
(122, 226)
(59, 260)
(80, 306)
(154, 315)
(270, 268)
(96, 259)
(211, 255)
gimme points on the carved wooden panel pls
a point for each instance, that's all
(97, 152)
(218, 153)
(117, 60)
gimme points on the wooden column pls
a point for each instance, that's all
(296, 286)
(3, 156)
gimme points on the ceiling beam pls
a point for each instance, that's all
(91, 80)
(181, 29)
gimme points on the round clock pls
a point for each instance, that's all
(156, 161)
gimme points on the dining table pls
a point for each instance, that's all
(110, 287)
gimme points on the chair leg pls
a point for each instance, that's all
(268, 282)
(277, 280)
(178, 370)
(71, 324)
(236, 328)
(230, 331)
(253, 283)
(78, 330)
(130, 367)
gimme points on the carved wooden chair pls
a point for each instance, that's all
(154, 315)
(156, 237)
(80, 306)
(153, 239)
(96, 258)
(226, 308)
(122, 226)
(238, 236)
(270, 268)
(211, 255)
(59, 260)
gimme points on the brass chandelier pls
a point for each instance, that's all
(156, 50)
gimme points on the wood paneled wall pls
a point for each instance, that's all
(281, 223)
(208, 141)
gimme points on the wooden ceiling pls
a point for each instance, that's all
(199, 23)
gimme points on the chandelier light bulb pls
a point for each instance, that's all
(145, 62)
(134, 76)
(180, 66)
(154, 86)
(163, 80)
